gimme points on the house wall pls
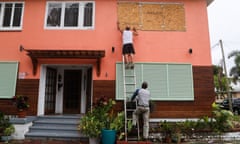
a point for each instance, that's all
(155, 46)
(151, 46)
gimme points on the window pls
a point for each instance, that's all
(11, 15)
(8, 79)
(70, 15)
(167, 82)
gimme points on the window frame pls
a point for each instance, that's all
(2, 11)
(80, 16)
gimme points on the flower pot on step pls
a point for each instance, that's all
(22, 113)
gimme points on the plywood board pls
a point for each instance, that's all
(152, 16)
(128, 14)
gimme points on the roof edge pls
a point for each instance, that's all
(209, 2)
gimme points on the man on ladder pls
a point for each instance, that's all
(128, 48)
(143, 97)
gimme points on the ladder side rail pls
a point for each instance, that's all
(135, 82)
(125, 97)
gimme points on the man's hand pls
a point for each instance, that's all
(135, 31)
(118, 26)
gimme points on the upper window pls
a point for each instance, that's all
(11, 15)
(70, 15)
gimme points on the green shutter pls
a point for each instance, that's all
(156, 77)
(180, 82)
(8, 79)
(119, 82)
(170, 82)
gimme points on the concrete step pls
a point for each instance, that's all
(55, 135)
(63, 127)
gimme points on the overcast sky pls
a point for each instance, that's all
(224, 24)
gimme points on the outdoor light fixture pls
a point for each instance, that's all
(113, 49)
(190, 51)
(21, 48)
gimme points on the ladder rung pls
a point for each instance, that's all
(130, 84)
(129, 119)
(129, 75)
(130, 92)
(130, 109)
(133, 138)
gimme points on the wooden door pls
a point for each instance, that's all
(72, 91)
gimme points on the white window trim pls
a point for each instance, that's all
(11, 28)
(80, 20)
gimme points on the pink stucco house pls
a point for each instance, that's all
(65, 54)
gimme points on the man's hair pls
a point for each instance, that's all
(144, 85)
(127, 28)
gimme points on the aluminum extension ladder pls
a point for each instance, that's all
(129, 81)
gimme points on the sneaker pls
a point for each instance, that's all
(127, 66)
(132, 66)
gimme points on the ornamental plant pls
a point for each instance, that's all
(101, 117)
(21, 102)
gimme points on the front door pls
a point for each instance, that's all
(50, 91)
(72, 91)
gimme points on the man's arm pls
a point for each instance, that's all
(118, 26)
(135, 31)
(134, 95)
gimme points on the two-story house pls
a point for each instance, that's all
(65, 54)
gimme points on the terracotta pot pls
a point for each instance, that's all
(93, 140)
(22, 113)
(168, 139)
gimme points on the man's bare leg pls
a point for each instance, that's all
(131, 61)
(126, 61)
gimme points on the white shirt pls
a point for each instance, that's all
(127, 37)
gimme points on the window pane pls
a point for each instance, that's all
(54, 14)
(88, 14)
(17, 14)
(71, 14)
(7, 15)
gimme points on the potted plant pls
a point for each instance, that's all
(91, 126)
(6, 127)
(94, 121)
(113, 127)
(102, 120)
(167, 130)
(8, 131)
(21, 102)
